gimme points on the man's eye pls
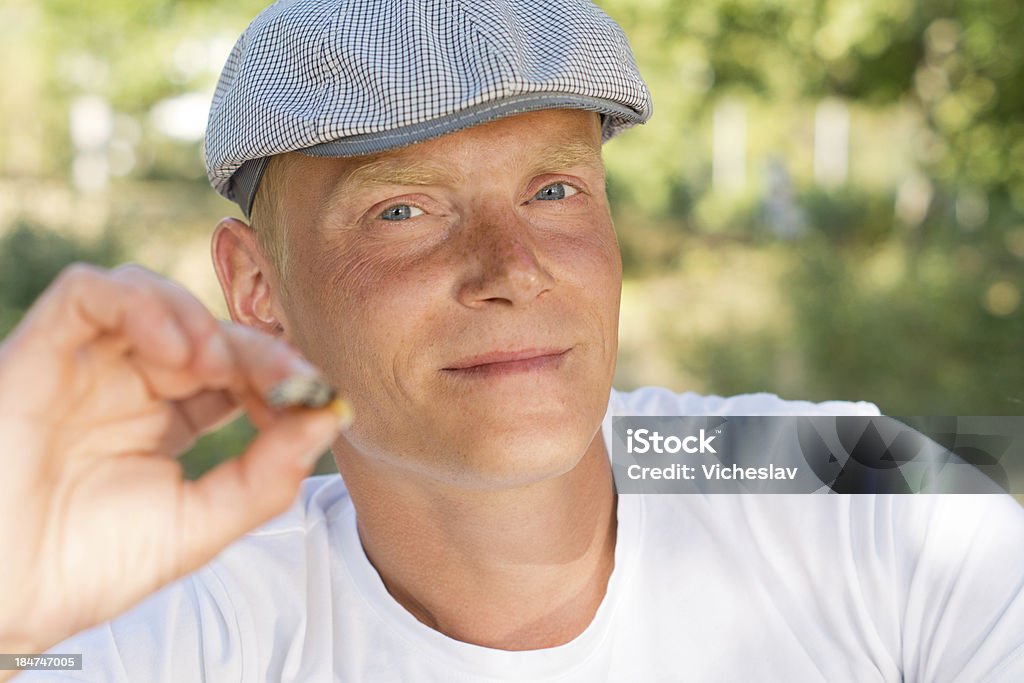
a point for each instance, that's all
(400, 212)
(556, 191)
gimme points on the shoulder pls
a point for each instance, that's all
(661, 401)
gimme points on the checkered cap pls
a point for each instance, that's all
(353, 77)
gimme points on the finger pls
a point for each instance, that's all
(239, 494)
(195, 416)
(250, 363)
(210, 356)
(164, 324)
(84, 302)
(218, 347)
(168, 430)
(209, 410)
(39, 362)
(262, 360)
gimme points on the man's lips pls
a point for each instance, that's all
(509, 361)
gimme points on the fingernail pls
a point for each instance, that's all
(300, 366)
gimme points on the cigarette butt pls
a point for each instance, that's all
(303, 391)
(343, 409)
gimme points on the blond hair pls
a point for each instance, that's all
(269, 220)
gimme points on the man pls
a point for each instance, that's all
(430, 228)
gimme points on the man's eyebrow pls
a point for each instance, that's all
(400, 172)
(567, 156)
(412, 172)
(389, 171)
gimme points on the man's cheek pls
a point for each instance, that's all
(590, 253)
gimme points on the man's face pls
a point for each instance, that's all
(463, 293)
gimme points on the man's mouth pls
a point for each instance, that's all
(507, 362)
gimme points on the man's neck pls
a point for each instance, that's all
(518, 569)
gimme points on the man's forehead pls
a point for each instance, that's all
(532, 134)
(531, 143)
(417, 168)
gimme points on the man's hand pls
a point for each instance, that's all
(108, 378)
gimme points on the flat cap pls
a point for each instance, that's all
(353, 77)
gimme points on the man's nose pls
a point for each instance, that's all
(506, 264)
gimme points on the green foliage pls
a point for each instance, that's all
(31, 257)
(920, 343)
(955, 64)
(920, 316)
(850, 215)
(228, 442)
(888, 322)
(214, 447)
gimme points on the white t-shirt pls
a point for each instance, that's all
(705, 588)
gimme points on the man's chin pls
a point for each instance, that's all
(518, 456)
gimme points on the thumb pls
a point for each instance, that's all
(242, 493)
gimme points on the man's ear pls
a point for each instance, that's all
(247, 279)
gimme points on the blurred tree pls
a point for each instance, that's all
(31, 257)
(908, 294)
(954, 63)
